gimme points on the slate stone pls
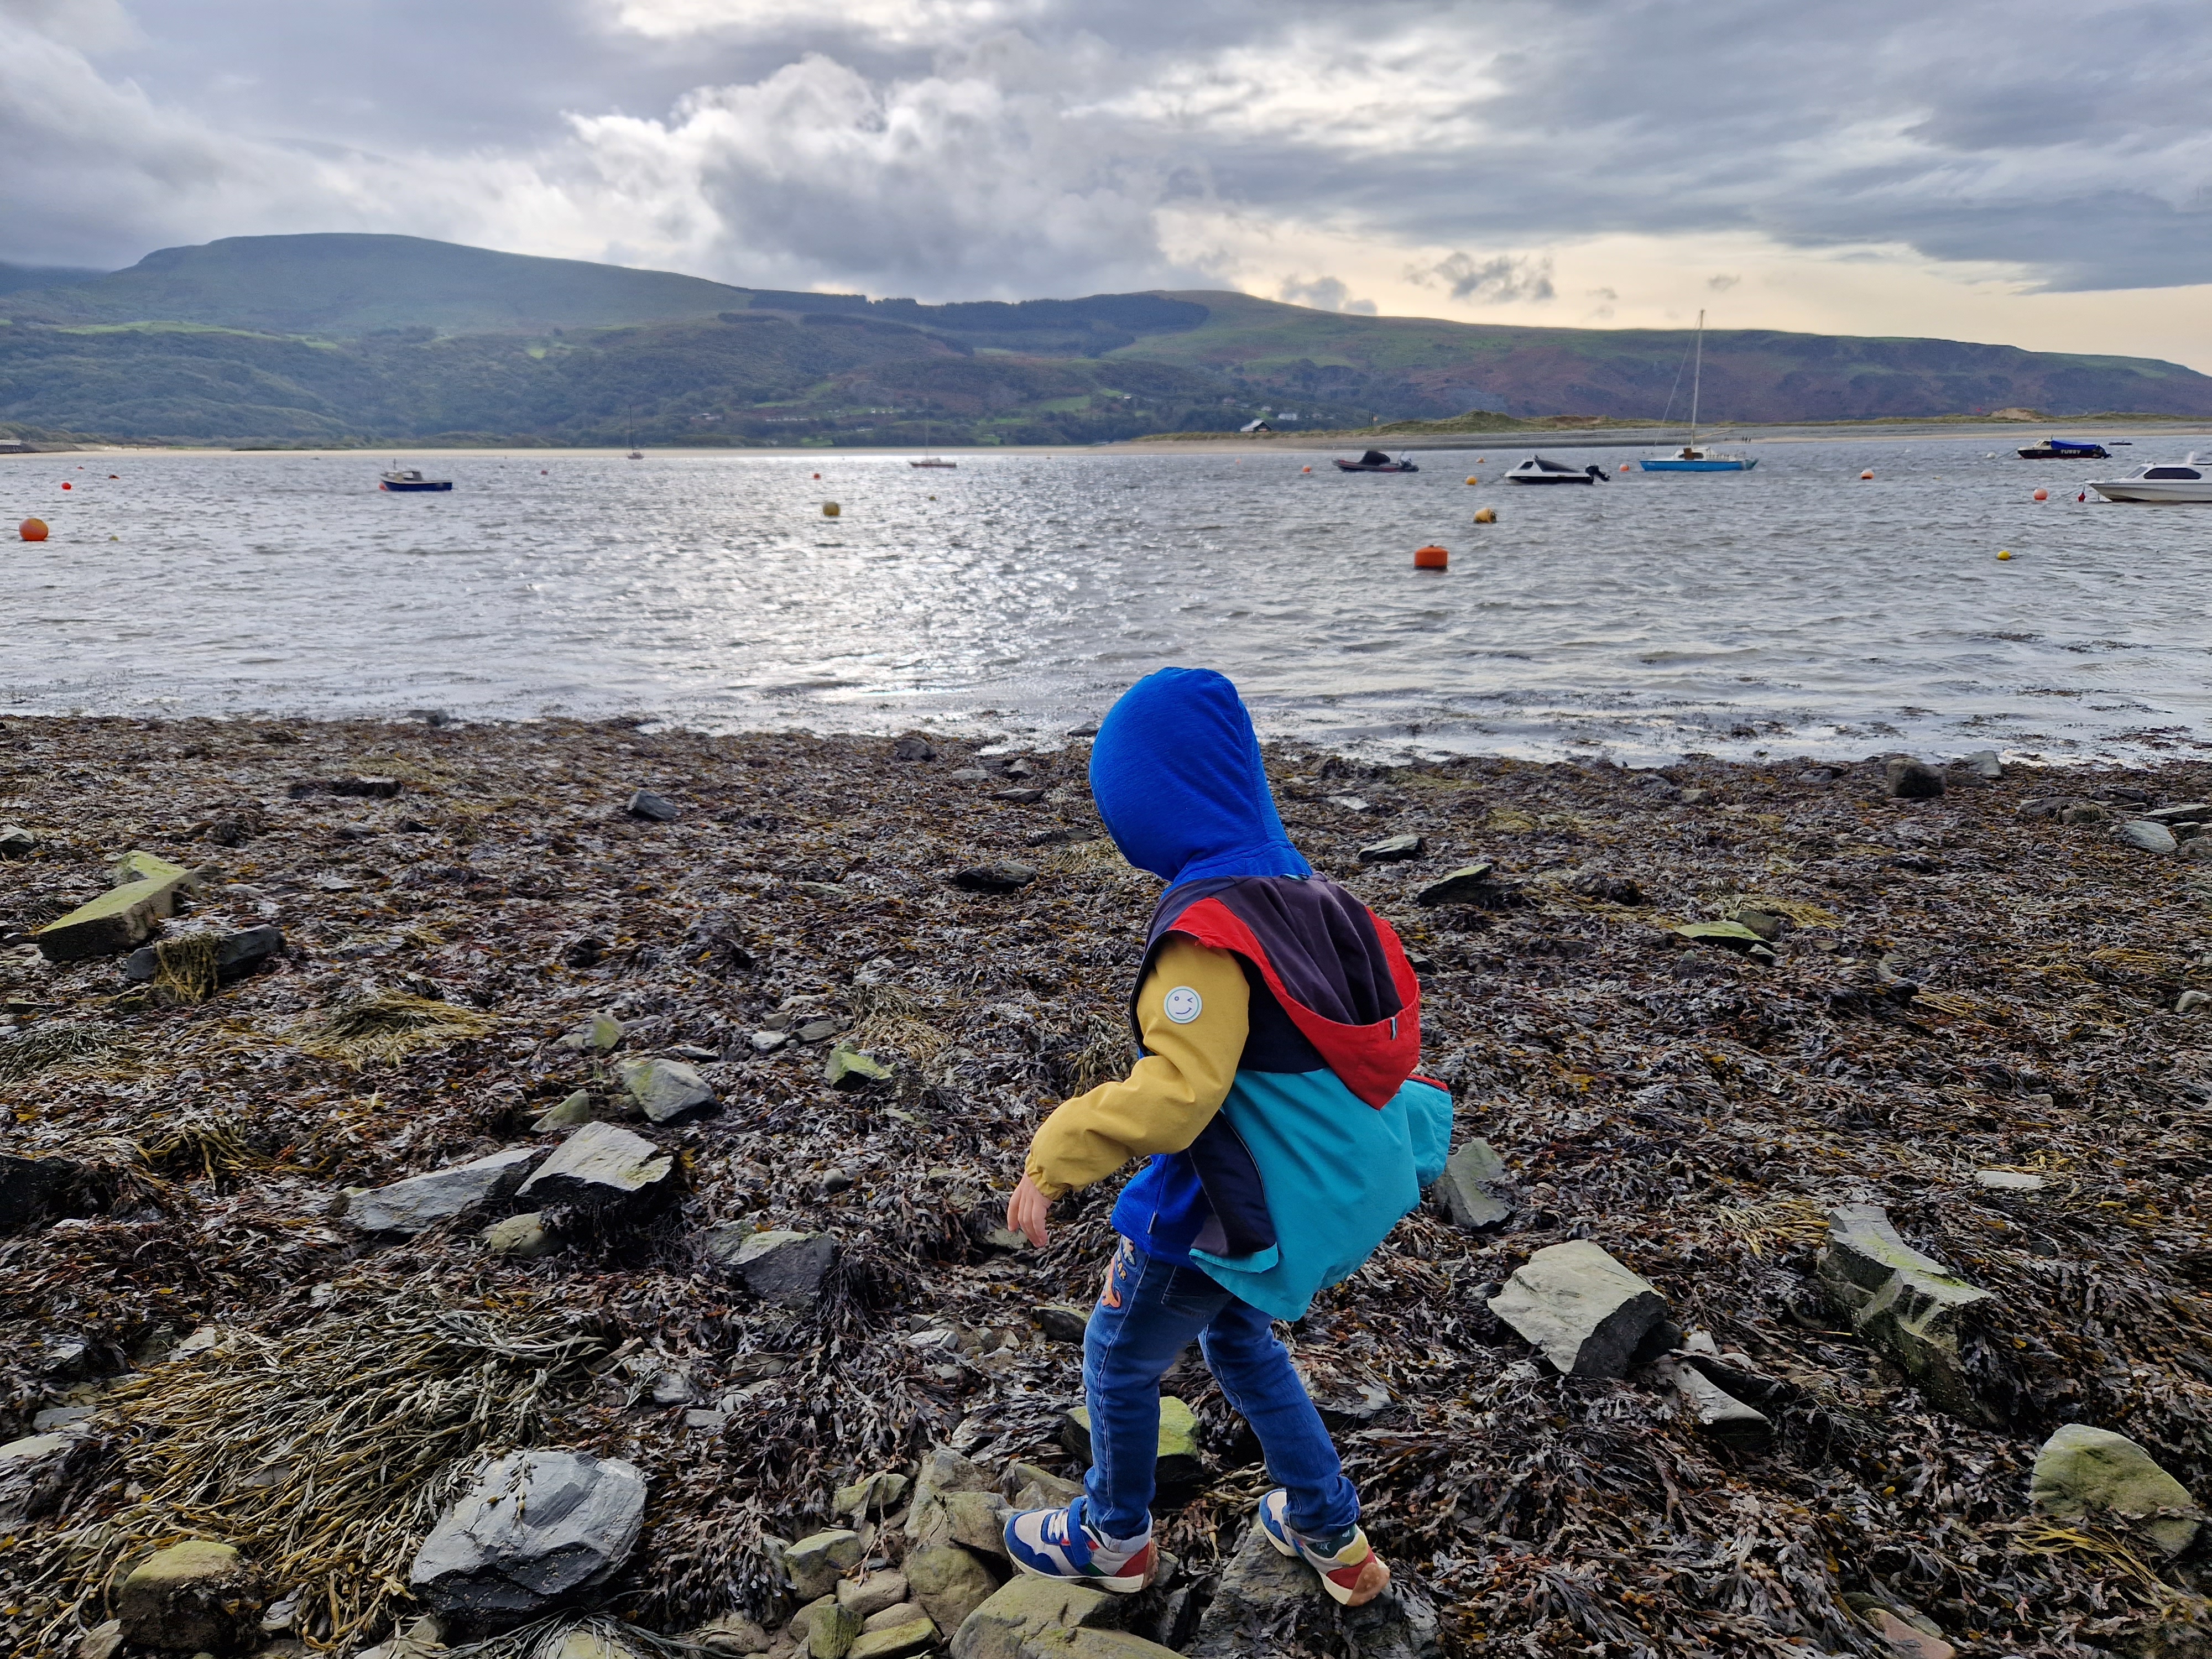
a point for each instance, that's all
(816, 1563)
(1393, 849)
(657, 809)
(599, 1166)
(1062, 1322)
(1589, 1314)
(2081, 1471)
(848, 1069)
(1003, 1626)
(1469, 1184)
(832, 1632)
(949, 1582)
(665, 1090)
(1987, 764)
(895, 1641)
(235, 954)
(574, 1110)
(2196, 811)
(1468, 884)
(1906, 779)
(31, 1188)
(16, 842)
(1269, 1603)
(913, 749)
(538, 1530)
(1715, 1411)
(424, 1200)
(870, 1596)
(1019, 797)
(2008, 1180)
(1001, 875)
(120, 918)
(782, 1267)
(36, 1471)
(2150, 837)
(194, 1596)
(521, 1236)
(1730, 935)
(1907, 1305)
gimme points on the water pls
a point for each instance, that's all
(1793, 609)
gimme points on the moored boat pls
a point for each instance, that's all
(1375, 461)
(2165, 481)
(1540, 470)
(409, 481)
(2064, 449)
(1690, 458)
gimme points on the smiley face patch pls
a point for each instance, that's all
(1182, 1005)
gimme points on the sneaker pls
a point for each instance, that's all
(1351, 1572)
(1061, 1543)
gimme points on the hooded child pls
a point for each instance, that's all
(1284, 1130)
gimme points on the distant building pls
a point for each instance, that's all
(1255, 426)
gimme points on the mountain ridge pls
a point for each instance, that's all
(338, 336)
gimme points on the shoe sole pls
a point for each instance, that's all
(1125, 1585)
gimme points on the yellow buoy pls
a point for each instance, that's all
(1486, 515)
(1472, 479)
(2005, 553)
(830, 510)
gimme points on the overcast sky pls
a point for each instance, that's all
(2032, 171)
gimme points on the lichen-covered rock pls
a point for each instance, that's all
(1468, 884)
(1270, 1603)
(869, 1597)
(2084, 1471)
(948, 1581)
(1469, 1187)
(1178, 1468)
(601, 1166)
(1898, 1299)
(849, 1068)
(521, 1237)
(815, 1564)
(1589, 1314)
(665, 1090)
(195, 1595)
(538, 1530)
(1003, 1626)
(424, 1200)
(36, 1471)
(120, 918)
(895, 1641)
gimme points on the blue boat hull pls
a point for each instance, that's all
(415, 489)
(1698, 466)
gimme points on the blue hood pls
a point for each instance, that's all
(1175, 774)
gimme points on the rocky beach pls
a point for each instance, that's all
(537, 1189)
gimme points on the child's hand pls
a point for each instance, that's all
(1026, 1210)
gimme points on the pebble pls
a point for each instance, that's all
(195, 1594)
(1393, 849)
(2150, 837)
(521, 1236)
(1468, 1187)
(913, 749)
(2190, 1001)
(1001, 876)
(849, 1068)
(2083, 1471)
(16, 842)
(1351, 803)
(1987, 764)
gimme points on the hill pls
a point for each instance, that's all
(324, 338)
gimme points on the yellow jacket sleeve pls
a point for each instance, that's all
(1194, 1010)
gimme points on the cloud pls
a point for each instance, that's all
(1324, 293)
(1721, 284)
(1498, 280)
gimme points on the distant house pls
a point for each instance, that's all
(1255, 426)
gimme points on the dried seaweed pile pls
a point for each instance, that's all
(1957, 987)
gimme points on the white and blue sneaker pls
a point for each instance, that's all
(1350, 1570)
(1061, 1543)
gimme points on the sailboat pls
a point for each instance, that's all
(1690, 458)
(629, 436)
(928, 459)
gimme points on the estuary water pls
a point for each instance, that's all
(1795, 608)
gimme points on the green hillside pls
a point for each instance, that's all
(16, 278)
(330, 338)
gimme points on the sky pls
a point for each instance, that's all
(2031, 171)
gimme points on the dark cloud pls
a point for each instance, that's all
(944, 147)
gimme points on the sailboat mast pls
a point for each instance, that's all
(1696, 377)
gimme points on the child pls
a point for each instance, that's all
(1279, 1021)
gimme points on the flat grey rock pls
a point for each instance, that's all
(424, 1200)
(1468, 884)
(665, 1090)
(657, 809)
(1393, 849)
(1271, 1603)
(1716, 1412)
(2082, 1471)
(1906, 779)
(2150, 837)
(234, 954)
(1589, 1314)
(785, 1268)
(540, 1529)
(600, 1164)
(1987, 764)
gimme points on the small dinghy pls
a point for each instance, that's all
(2169, 481)
(408, 481)
(1538, 469)
(1375, 461)
(2064, 449)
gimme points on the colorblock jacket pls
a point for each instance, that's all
(1281, 1025)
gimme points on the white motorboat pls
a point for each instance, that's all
(2167, 481)
(1537, 469)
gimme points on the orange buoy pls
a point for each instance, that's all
(1624, 466)
(115, 475)
(1869, 473)
(1432, 557)
(1305, 468)
(2043, 495)
(34, 530)
(1486, 515)
(67, 485)
(817, 475)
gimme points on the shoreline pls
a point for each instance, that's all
(1952, 988)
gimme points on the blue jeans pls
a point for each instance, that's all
(1147, 1312)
